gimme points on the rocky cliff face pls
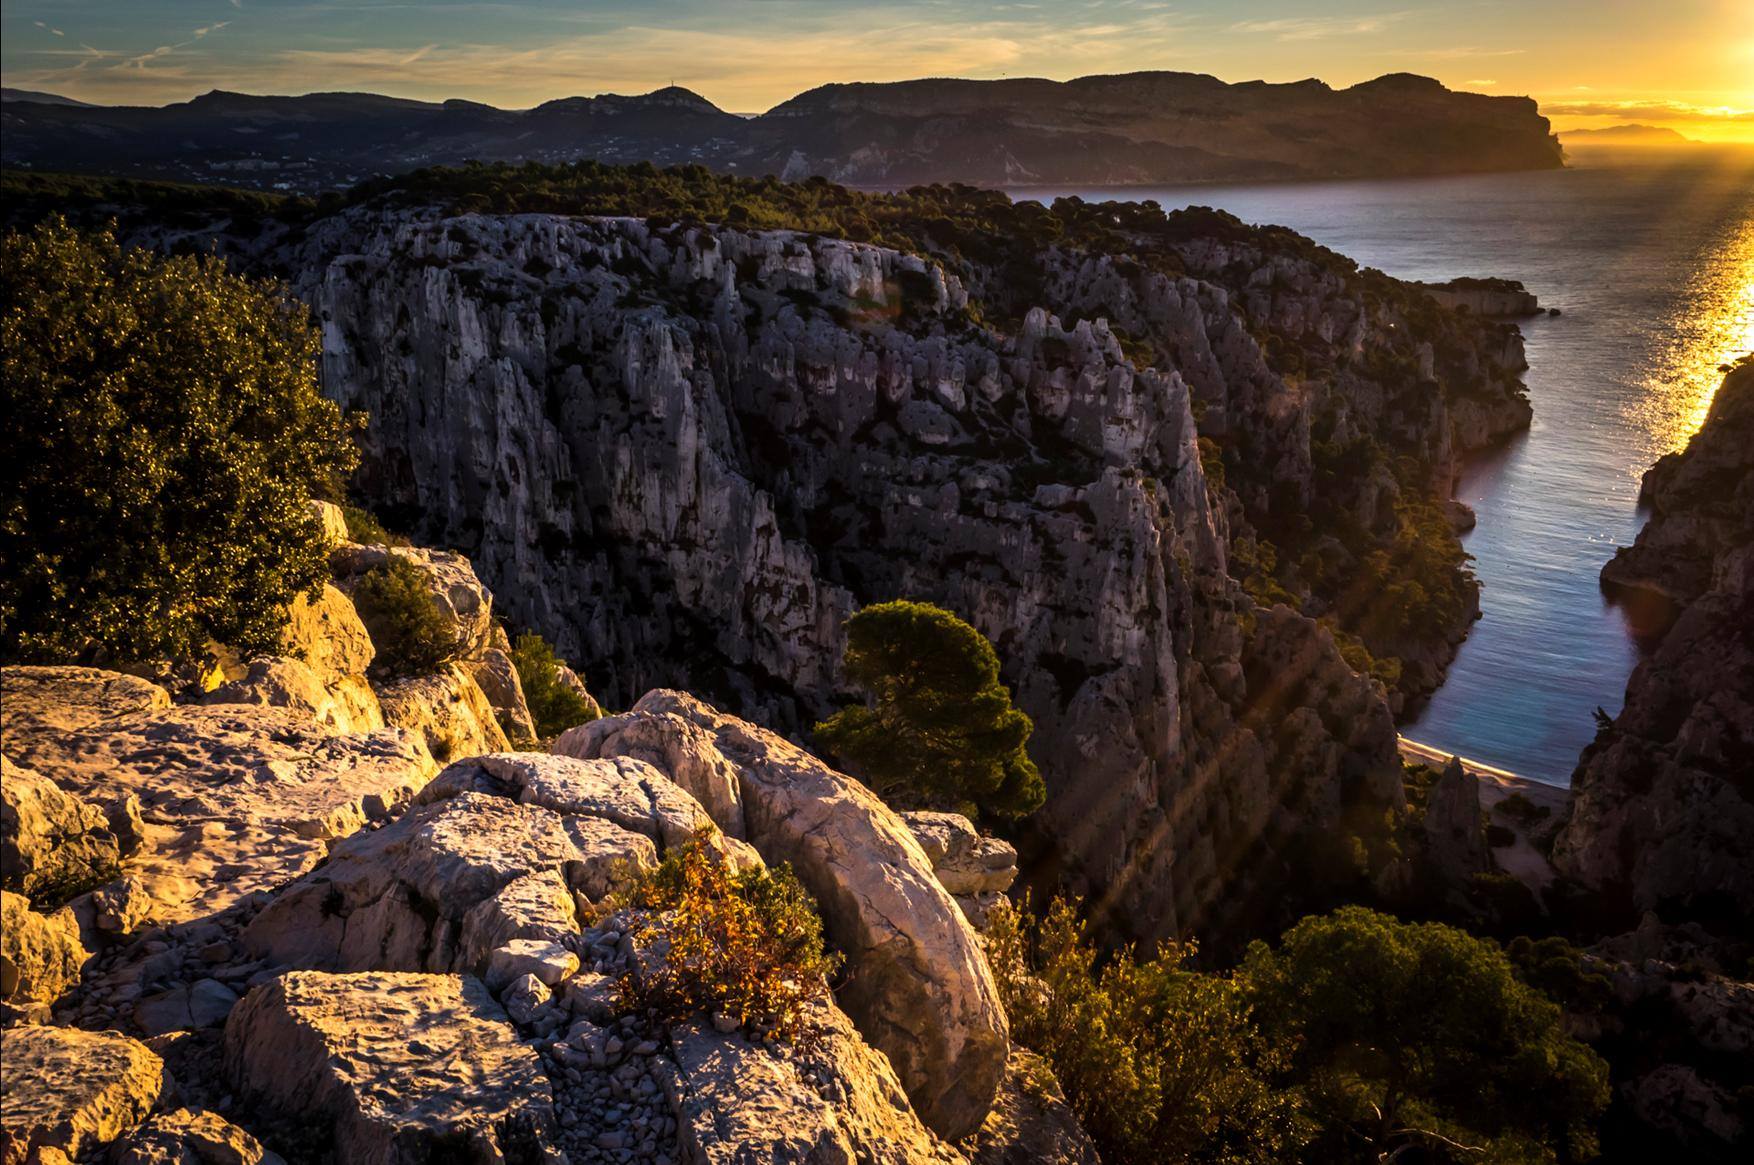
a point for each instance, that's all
(1664, 798)
(687, 454)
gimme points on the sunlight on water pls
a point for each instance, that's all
(1716, 327)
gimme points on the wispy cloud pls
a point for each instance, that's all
(47, 28)
(1648, 110)
(203, 31)
(1294, 28)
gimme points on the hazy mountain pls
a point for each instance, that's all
(8, 96)
(1626, 135)
(1128, 128)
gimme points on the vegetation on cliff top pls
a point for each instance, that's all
(172, 400)
(746, 944)
(1358, 1038)
(940, 729)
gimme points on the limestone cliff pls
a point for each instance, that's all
(1664, 797)
(686, 454)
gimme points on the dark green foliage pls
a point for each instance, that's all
(553, 705)
(412, 635)
(1563, 973)
(1161, 1063)
(163, 436)
(1419, 1037)
(363, 526)
(940, 728)
(744, 943)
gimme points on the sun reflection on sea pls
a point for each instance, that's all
(1715, 328)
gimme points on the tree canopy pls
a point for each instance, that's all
(164, 435)
(1421, 1036)
(940, 728)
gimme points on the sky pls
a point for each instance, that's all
(1685, 64)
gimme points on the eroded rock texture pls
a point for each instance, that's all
(1663, 799)
(687, 454)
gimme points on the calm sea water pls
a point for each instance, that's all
(1650, 257)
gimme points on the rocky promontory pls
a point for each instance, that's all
(1664, 798)
(316, 943)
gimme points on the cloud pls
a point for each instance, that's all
(1291, 28)
(1647, 110)
(46, 28)
(201, 32)
(1483, 82)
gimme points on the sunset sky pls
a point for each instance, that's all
(1686, 64)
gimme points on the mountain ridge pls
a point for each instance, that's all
(1102, 129)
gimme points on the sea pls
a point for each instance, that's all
(1649, 256)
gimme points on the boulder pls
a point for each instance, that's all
(203, 1003)
(674, 745)
(627, 792)
(276, 681)
(1031, 1123)
(391, 1069)
(917, 984)
(447, 710)
(450, 579)
(73, 1092)
(402, 898)
(40, 957)
(235, 798)
(498, 677)
(51, 844)
(326, 634)
(190, 1137)
(536, 906)
(835, 1101)
(964, 861)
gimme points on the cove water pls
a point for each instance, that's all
(1649, 254)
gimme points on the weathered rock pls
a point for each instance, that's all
(235, 798)
(1031, 1123)
(450, 579)
(347, 705)
(333, 522)
(917, 984)
(447, 710)
(548, 961)
(400, 898)
(697, 492)
(674, 745)
(203, 1003)
(963, 860)
(536, 906)
(326, 634)
(498, 677)
(398, 1069)
(51, 844)
(739, 1103)
(40, 957)
(1702, 507)
(1675, 1099)
(190, 1137)
(70, 699)
(73, 1091)
(1455, 827)
(627, 792)
(1663, 798)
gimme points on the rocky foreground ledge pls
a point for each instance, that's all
(265, 924)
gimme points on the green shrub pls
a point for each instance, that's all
(940, 729)
(1160, 1063)
(746, 944)
(163, 436)
(1421, 1038)
(554, 706)
(412, 634)
(363, 526)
